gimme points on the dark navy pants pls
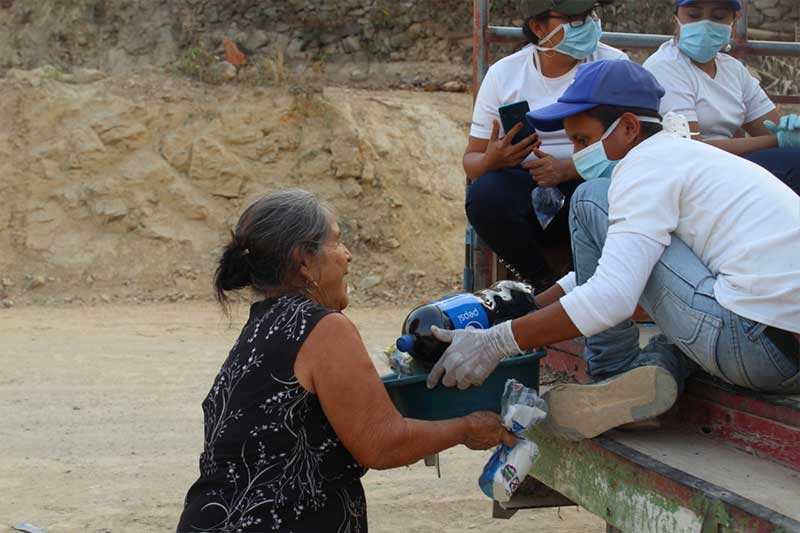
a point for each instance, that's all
(499, 209)
(783, 162)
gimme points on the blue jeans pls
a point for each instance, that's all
(679, 296)
(499, 208)
(784, 163)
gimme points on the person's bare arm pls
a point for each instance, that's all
(551, 295)
(757, 128)
(742, 145)
(475, 161)
(547, 326)
(334, 364)
(484, 155)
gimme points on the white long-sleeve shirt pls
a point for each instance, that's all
(739, 220)
(611, 297)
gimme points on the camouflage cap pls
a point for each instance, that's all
(531, 8)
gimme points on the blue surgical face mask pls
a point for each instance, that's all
(592, 162)
(702, 40)
(579, 42)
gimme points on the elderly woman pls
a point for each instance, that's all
(297, 413)
(718, 95)
(561, 34)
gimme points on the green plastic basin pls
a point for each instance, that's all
(414, 400)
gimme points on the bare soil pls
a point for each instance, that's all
(102, 425)
(125, 188)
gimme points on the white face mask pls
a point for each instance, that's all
(592, 162)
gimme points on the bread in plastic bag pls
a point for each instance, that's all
(522, 409)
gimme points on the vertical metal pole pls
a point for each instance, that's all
(480, 44)
(740, 32)
(480, 55)
(479, 259)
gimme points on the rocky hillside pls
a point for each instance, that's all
(116, 35)
(121, 175)
(126, 187)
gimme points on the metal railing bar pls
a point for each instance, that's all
(651, 41)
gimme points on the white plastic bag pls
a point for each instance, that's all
(546, 202)
(507, 468)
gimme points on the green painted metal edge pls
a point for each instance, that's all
(636, 493)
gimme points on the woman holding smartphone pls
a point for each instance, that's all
(718, 95)
(561, 35)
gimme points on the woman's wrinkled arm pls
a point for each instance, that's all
(334, 364)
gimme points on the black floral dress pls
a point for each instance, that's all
(271, 460)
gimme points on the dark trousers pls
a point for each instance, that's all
(499, 209)
(784, 163)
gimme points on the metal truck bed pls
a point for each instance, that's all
(726, 459)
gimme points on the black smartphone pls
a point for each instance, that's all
(513, 114)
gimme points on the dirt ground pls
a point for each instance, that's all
(102, 425)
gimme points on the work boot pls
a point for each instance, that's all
(578, 412)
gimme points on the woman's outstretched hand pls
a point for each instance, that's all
(485, 430)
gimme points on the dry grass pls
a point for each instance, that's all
(197, 62)
(266, 71)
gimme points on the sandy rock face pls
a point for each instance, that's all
(118, 35)
(131, 180)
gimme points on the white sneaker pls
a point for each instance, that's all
(580, 412)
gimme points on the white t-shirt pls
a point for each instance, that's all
(515, 78)
(739, 220)
(720, 104)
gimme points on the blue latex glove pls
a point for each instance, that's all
(790, 122)
(787, 131)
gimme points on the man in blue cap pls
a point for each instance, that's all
(708, 243)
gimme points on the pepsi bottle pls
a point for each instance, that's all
(505, 300)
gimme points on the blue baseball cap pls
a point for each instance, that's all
(616, 82)
(735, 4)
